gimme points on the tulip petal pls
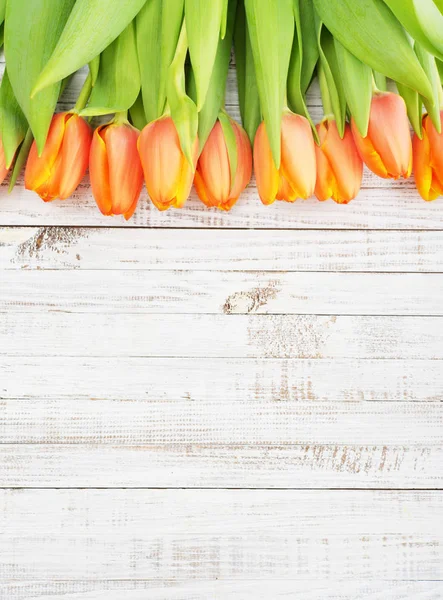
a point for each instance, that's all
(99, 173)
(298, 155)
(74, 155)
(266, 174)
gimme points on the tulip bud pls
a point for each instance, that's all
(59, 170)
(3, 169)
(115, 169)
(428, 160)
(387, 149)
(168, 174)
(298, 171)
(213, 180)
(339, 166)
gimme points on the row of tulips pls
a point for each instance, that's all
(161, 67)
(119, 156)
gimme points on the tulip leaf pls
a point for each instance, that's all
(158, 27)
(380, 81)
(41, 21)
(414, 107)
(118, 83)
(334, 97)
(2, 10)
(183, 109)
(369, 30)
(357, 84)
(231, 144)
(215, 98)
(13, 122)
(224, 23)
(2, 34)
(423, 20)
(92, 26)
(303, 61)
(204, 26)
(137, 113)
(428, 63)
(247, 83)
(271, 30)
(21, 158)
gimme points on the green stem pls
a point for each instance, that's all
(120, 118)
(84, 95)
(21, 159)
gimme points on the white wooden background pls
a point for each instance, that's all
(197, 405)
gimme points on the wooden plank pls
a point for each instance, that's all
(153, 421)
(221, 466)
(168, 249)
(220, 336)
(68, 380)
(222, 590)
(220, 534)
(222, 292)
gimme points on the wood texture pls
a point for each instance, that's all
(204, 534)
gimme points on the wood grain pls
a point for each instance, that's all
(271, 589)
(222, 292)
(212, 465)
(220, 534)
(220, 336)
(135, 249)
(68, 380)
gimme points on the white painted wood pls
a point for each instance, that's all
(270, 589)
(95, 421)
(212, 465)
(169, 249)
(220, 534)
(220, 336)
(65, 381)
(222, 292)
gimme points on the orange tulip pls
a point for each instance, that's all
(213, 175)
(428, 160)
(59, 170)
(168, 174)
(339, 166)
(387, 149)
(3, 169)
(115, 169)
(297, 174)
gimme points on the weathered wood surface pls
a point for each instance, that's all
(270, 360)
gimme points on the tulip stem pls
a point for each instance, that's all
(84, 95)
(120, 117)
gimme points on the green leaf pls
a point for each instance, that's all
(41, 21)
(334, 97)
(357, 84)
(13, 122)
(247, 83)
(380, 80)
(92, 26)
(303, 60)
(20, 161)
(2, 35)
(118, 83)
(231, 144)
(414, 107)
(2, 10)
(271, 30)
(137, 113)
(215, 98)
(203, 25)
(224, 23)
(423, 20)
(370, 31)
(183, 110)
(158, 27)
(429, 65)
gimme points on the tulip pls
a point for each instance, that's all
(168, 174)
(387, 149)
(59, 170)
(339, 166)
(3, 169)
(428, 160)
(298, 171)
(115, 169)
(213, 180)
